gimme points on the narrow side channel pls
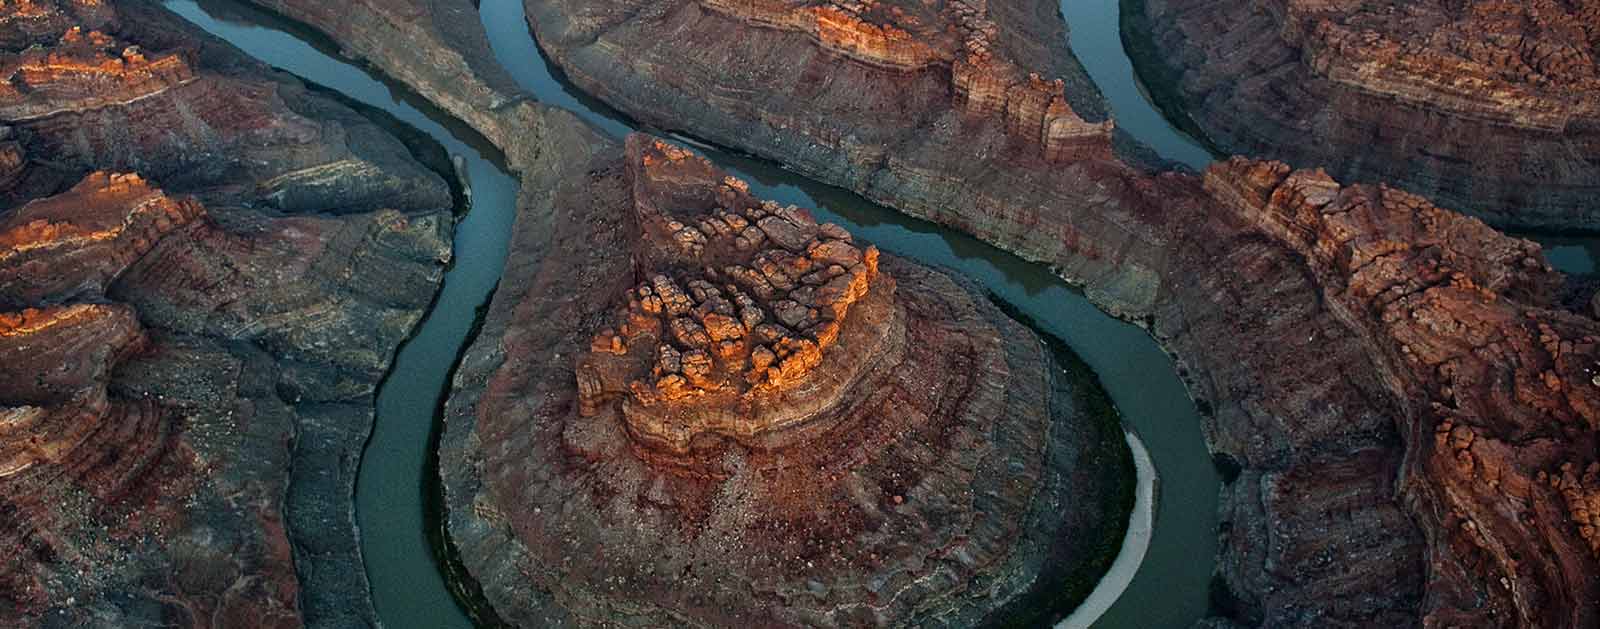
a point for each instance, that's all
(1096, 39)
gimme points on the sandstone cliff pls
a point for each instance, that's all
(1486, 105)
(188, 369)
(1497, 387)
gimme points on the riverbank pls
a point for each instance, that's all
(394, 481)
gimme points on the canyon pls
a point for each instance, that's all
(207, 268)
(1401, 400)
(1338, 507)
(1487, 106)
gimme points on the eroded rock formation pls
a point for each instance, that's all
(1498, 386)
(186, 382)
(1486, 105)
(728, 333)
(901, 470)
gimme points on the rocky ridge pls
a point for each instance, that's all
(726, 334)
(1487, 105)
(189, 369)
(1499, 386)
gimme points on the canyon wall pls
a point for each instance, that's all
(1488, 106)
(206, 269)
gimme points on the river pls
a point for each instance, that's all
(1159, 580)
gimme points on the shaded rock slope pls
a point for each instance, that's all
(205, 269)
(1485, 105)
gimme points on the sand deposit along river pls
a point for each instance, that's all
(1161, 577)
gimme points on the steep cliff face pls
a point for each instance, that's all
(174, 357)
(1487, 105)
(1499, 387)
(902, 469)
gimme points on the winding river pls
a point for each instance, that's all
(1161, 577)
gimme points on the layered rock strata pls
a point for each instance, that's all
(916, 463)
(188, 370)
(1497, 386)
(726, 334)
(1485, 105)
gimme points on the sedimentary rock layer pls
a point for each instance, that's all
(1498, 387)
(1485, 105)
(934, 486)
(204, 272)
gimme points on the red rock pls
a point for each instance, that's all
(154, 353)
(1496, 383)
(79, 242)
(1483, 105)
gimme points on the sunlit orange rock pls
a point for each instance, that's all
(737, 310)
(1499, 385)
(78, 242)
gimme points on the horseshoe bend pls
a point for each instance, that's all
(680, 393)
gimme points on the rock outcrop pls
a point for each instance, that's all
(727, 333)
(187, 371)
(911, 458)
(1498, 387)
(1485, 105)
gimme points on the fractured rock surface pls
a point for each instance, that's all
(1498, 387)
(187, 370)
(728, 333)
